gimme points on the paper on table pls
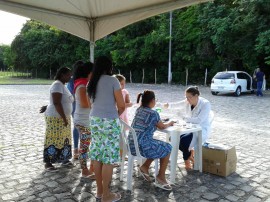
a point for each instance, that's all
(180, 123)
(189, 125)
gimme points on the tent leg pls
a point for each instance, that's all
(92, 48)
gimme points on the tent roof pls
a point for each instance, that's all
(92, 19)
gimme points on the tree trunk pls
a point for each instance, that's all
(143, 76)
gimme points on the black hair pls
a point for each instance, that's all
(193, 90)
(76, 65)
(60, 72)
(102, 66)
(147, 96)
(82, 70)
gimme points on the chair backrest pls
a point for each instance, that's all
(130, 139)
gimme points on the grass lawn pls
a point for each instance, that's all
(14, 78)
(21, 81)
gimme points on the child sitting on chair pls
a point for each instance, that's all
(125, 94)
(128, 103)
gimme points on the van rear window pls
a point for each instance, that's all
(224, 75)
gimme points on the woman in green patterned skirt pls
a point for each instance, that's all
(107, 104)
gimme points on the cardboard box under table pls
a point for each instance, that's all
(219, 159)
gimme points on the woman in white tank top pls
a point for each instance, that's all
(82, 75)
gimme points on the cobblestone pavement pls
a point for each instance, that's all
(241, 121)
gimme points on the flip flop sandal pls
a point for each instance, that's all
(118, 197)
(166, 187)
(67, 163)
(91, 176)
(144, 175)
(116, 165)
(51, 169)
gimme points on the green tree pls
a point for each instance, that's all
(219, 35)
(234, 27)
(141, 46)
(7, 57)
(43, 49)
(263, 45)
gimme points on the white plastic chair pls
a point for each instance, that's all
(126, 130)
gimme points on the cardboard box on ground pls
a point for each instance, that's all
(219, 159)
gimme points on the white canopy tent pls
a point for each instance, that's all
(92, 19)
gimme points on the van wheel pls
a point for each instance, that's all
(214, 93)
(237, 91)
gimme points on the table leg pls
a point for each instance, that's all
(167, 137)
(175, 146)
(198, 151)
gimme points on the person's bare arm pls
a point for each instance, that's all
(161, 125)
(120, 103)
(128, 103)
(57, 97)
(84, 99)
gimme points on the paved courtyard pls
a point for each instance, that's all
(239, 121)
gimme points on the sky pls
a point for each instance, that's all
(10, 26)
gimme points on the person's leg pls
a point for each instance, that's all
(98, 167)
(145, 167)
(163, 166)
(75, 134)
(91, 168)
(46, 154)
(107, 150)
(107, 171)
(185, 141)
(66, 136)
(76, 138)
(85, 136)
(54, 125)
(192, 154)
(260, 88)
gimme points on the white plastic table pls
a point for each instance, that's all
(175, 132)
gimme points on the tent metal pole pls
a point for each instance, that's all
(91, 25)
(92, 48)
(170, 52)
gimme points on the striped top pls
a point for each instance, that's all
(144, 122)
